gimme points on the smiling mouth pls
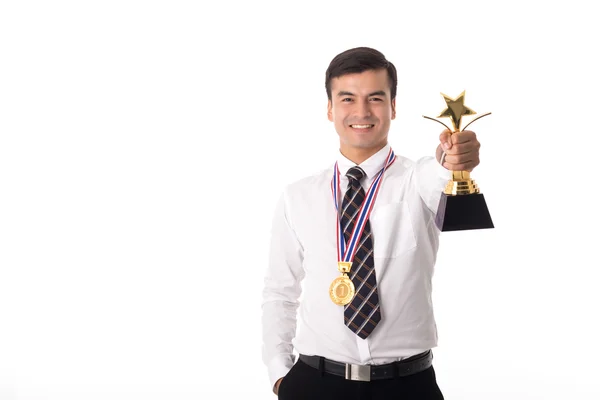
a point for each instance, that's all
(364, 126)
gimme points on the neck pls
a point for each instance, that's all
(359, 155)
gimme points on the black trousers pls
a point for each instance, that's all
(304, 382)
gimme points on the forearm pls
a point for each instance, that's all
(431, 178)
(280, 295)
(279, 329)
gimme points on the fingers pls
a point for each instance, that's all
(460, 165)
(459, 142)
(449, 139)
(462, 150)
(446, 139)
(463, 137)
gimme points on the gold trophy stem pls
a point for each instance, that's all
(461, 175)
(461, 183)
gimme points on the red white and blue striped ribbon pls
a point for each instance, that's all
(347, 251)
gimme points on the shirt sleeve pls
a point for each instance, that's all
(280, 294)
(431, 178)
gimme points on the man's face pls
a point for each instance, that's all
(361, 109)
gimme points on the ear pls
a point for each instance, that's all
(393, 108)
(329, 111)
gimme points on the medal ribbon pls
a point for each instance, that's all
(347, 251)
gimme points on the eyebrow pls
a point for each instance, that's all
(377, 93)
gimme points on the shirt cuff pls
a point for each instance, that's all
(279, 367)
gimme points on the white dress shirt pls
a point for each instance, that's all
(297, 310)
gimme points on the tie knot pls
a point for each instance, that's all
(355, 173)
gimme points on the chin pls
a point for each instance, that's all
(368, 142)
(367, 145)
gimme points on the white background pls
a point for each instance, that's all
(131, 132)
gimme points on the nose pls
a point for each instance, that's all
(363, 109)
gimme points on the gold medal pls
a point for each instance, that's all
(341, 290)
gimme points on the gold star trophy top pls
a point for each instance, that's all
(461, 206)
(455, 109)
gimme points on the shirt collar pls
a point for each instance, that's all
(371, 165)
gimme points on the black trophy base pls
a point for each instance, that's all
(463, 212)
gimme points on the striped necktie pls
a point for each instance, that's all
(362, 314)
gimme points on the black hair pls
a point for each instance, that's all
(357, 60)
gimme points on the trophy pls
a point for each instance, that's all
(462, 206)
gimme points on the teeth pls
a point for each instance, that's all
(361, 126)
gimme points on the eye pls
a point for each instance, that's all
(376, 99)
(346, 99)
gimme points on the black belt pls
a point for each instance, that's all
(409, 366)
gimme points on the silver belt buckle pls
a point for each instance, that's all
(358, 372)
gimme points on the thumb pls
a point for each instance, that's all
(445, 139)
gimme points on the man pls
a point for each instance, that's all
(358, 243)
